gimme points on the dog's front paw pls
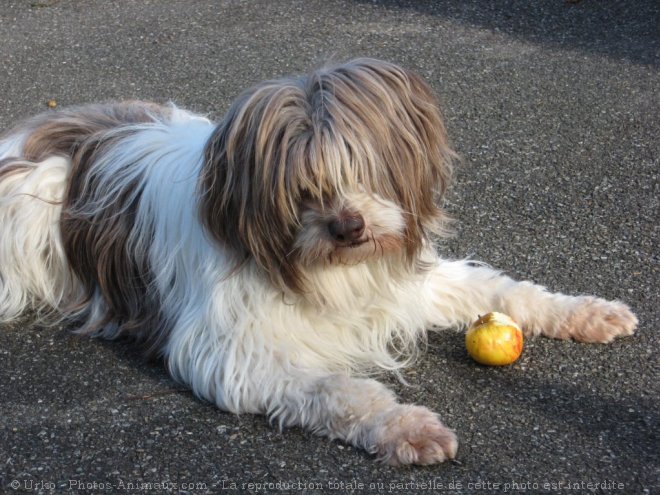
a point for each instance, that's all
(600, 321)
(415, 435)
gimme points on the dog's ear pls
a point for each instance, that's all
(249, 187)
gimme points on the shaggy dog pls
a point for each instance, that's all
(272, 259)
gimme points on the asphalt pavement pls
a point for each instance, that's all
(553, 106)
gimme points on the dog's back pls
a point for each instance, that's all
(50, 210)
(35, 162)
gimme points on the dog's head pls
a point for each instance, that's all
(344, 165)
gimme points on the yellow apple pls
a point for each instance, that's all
(494, 339)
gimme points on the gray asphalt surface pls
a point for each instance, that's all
(554, 107)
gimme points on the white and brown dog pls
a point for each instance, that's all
(272, 259)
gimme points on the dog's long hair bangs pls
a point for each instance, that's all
(365, 125)
(385, 135)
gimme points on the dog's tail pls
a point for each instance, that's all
(34, 272)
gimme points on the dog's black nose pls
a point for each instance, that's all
(347, 228)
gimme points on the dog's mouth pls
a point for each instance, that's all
(355, 244)
(365, 248)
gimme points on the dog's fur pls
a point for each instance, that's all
(272, 259)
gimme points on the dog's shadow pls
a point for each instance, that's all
(580, 403)
(152, 369)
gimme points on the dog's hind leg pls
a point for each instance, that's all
(34, 272)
